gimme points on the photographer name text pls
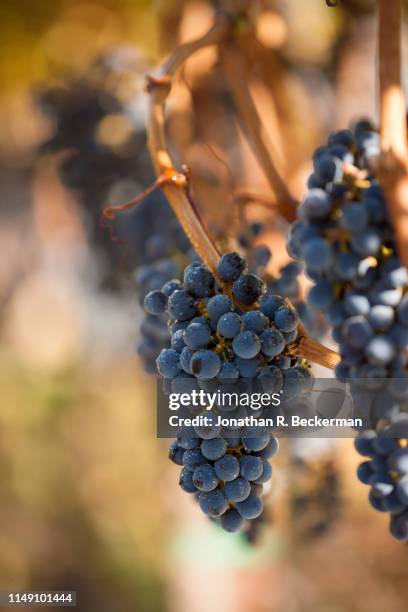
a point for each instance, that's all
(204, 420)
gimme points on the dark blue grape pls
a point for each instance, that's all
(205, 478)
(182, 306)
(205, 365)
(248, 288)
(214, 448)
(168, 363)
(196, 335)
(198, 281)
(193, 458)
(231, 521)
(227, 468)
(251, 467)
(231, 266)
(229, 325)
(286, 319)
(214, 503)
(176, 453)
(251, 507)
(255, 321)
(186, 481)
(237, 490)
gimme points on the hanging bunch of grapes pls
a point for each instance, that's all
(346, 240)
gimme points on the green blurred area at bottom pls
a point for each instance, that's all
(203, 547)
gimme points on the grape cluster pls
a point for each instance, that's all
(165, 256)
(226, 470)
(346, 241)
(219, 338)
(386, 471)
(236, 337)
(99, 129)
(344, 236)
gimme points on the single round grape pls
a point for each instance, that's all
(380, 350)
(205, 478)
(255, 321)
(365, 472)
(214, 448)
(399, 527)
(231, 521)
(357, 332)
(248, 288)
(186, 481)
(346, 266)
(255, 440)
(168, 363)
(356, 304)
(286, 319)
(237, 490)
(231, 266)
(318, 255)
(177, 341)
(205, 364)
(273, 342)
(210, 429)
(181, 305)
(381, 317)
(176, 453)
(187, 438)
(266, 473)
(367, 242)
(364, 443)
(246, 345)
(155, 302)
(213, 503)
(315, 206)
(227, 468)
(251, 507)
(198, 281)
(229, 325)
(196, 335)
(193, 458)
(271, 449)
(251, 467)
(261, 255)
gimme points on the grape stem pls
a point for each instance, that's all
(159, 88)
(176, 187)
(236, 71)
(394, 158)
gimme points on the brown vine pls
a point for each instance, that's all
(394, 158)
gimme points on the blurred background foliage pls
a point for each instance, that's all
(88, 500)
